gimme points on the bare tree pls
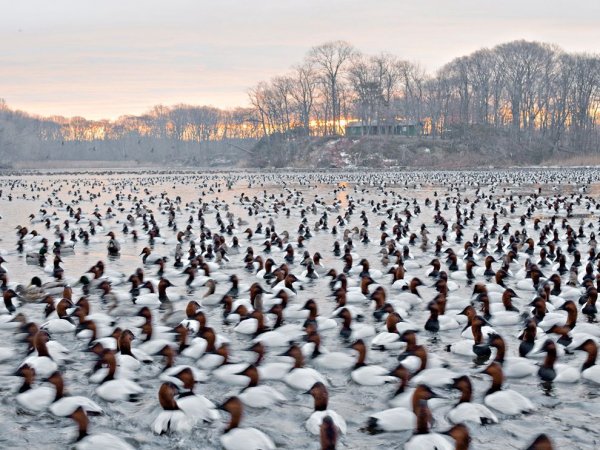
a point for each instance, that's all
(331, 58)
(303, 91)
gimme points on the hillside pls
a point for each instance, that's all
(473, 150)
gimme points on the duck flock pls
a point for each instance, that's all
(417, 310)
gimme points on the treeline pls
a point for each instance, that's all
(197, 134)
(526, 90)
(534, 96)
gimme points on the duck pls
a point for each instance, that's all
(476, 347)
(400, 418)
(437, 322)
(415, 357)
(257, 396)
(466, 275)
(513, 367)
(467, 411)
(559, 373)
(321, 400)
(275, 370)
(171, 418)
(128, 358)
(368, 374)
(97, 441)
(324, 359)
(116, 389)
(410, 295)
(309, 311)
(159, 298)
(7, 296)
(195, 406)
(62, 324)
(64, 405)
(300, 377)
(31, 293)
(149, 258)
(456, 438)
(29, 398)
(172, 372)
(578, 328)
(236, 438)
(589, 370)
(227, 371)
(210, 356)
(254, 324)
(354, 332)
(529, 339)
(389, 338)
(507, 402)
(508, 315)
(43, 364)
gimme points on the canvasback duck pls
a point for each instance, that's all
(97, 441)
(400, 418)
(300, 377)
(321, 401)
(236, 438)
(590, 371)
(507, 401)
(259, 396)
(466, 410)
(116, 389)
(368, 374)
(171, 418)
(559, 373)
(43, 364)
(513, 367)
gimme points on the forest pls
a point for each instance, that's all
(533, 97)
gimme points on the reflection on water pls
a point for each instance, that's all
(342, 195)
(547, 388)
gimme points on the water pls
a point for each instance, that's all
(568, 413)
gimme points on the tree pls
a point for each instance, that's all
(303, 91)
(331, 58)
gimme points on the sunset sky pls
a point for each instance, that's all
(103, 59)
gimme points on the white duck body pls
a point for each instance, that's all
(261, 396)
(471, 412)
(517, 367)
(36, 399)
(65, 406)
(592, 374)
(172, 421)
(430, 441)
(122, 389)
(102, 441)
(303, 378)
(393, 419)
(43, 365)
(246, 439)
(198, 408)
(509, 402)
(371, 375)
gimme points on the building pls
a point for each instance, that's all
(385, 128)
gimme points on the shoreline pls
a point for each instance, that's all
(129, 166)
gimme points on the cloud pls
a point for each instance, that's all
(103, 59)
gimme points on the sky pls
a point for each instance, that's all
(104, 59)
